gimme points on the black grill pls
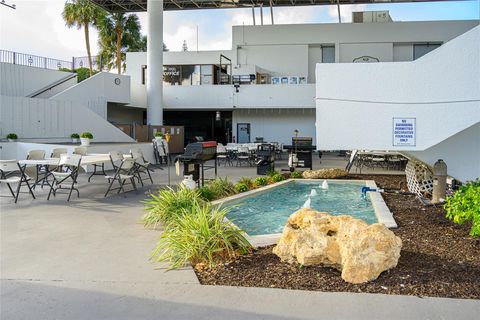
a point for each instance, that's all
(194, 158)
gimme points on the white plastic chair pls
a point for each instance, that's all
(68, 173)
(143, 165)
(124, 172)
(9, 170)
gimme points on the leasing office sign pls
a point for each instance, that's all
(404, 132)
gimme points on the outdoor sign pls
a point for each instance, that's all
(404, 132)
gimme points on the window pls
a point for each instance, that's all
(328, 54)
(185, 75)
(420, 50)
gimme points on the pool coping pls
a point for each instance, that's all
(382, 212)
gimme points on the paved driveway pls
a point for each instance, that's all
(88, 259)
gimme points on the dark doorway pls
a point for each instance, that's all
(206, 124)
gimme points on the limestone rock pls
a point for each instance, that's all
(331, 173)
(360, 251)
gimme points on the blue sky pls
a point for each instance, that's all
(36, 26)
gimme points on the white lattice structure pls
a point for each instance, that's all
(419, 178)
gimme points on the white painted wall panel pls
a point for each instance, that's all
(403, 52)
(17, 80)
(381, 51)
(441, 90)
(460, 152)
(276, 125)
(45, 119)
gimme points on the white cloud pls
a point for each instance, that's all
(37, 27)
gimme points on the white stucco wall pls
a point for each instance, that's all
(332, 33)
(45, 119)
(101, 85)
(276, 125)
(225, 96)
(18, 80)
(461, 153)
(441, 90)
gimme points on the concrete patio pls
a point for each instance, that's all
(89, 259)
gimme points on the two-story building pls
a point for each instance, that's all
(265, 85)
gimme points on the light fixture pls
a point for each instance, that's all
(218, 116)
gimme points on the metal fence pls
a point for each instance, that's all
(82, 62)
(31, 60)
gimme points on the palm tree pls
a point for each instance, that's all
(82, 13)
(118, 33)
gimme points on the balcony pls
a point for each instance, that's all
(226, 97)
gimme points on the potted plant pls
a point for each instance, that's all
(159, 135)
(85, 138)
(12, 137)
(75, 137)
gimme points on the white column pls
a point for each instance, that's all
(155, 62)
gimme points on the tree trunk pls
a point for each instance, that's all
(87, 42)
(119, 51)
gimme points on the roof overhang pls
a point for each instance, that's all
(141, 5)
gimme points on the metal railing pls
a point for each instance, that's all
(31, 60)
(82, 62)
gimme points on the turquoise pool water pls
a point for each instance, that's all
(267, 212)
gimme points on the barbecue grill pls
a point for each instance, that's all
(194, 158)
(302, 148)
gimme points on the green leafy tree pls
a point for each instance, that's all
(118, 33)
(82, 14)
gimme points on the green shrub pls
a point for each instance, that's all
(271, 173)
(12, 136)
(200, 235)
(464, 206)
(74, 136)
(276, 178)
(247, 181)
(86, 135)
(260, 181)
(217, 189)
(241, 187)
(168, 204)
(296, 175)
(206, 193)
(83, 73)
(222, 187)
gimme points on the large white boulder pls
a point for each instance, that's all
(360, 251)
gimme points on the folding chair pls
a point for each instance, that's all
(80, 150)
(124, 172)
(243, 155)
(222, 155)
(67, 174)
(142, 165)
(9, 175)
(36, 173)
(57, 152)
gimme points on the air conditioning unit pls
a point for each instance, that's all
(371, 16)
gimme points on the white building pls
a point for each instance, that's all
(275, 79)
(264, 57)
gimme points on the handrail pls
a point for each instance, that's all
(52, 85)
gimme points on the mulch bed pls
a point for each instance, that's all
(438, 258)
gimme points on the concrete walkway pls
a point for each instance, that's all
(89, 259)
